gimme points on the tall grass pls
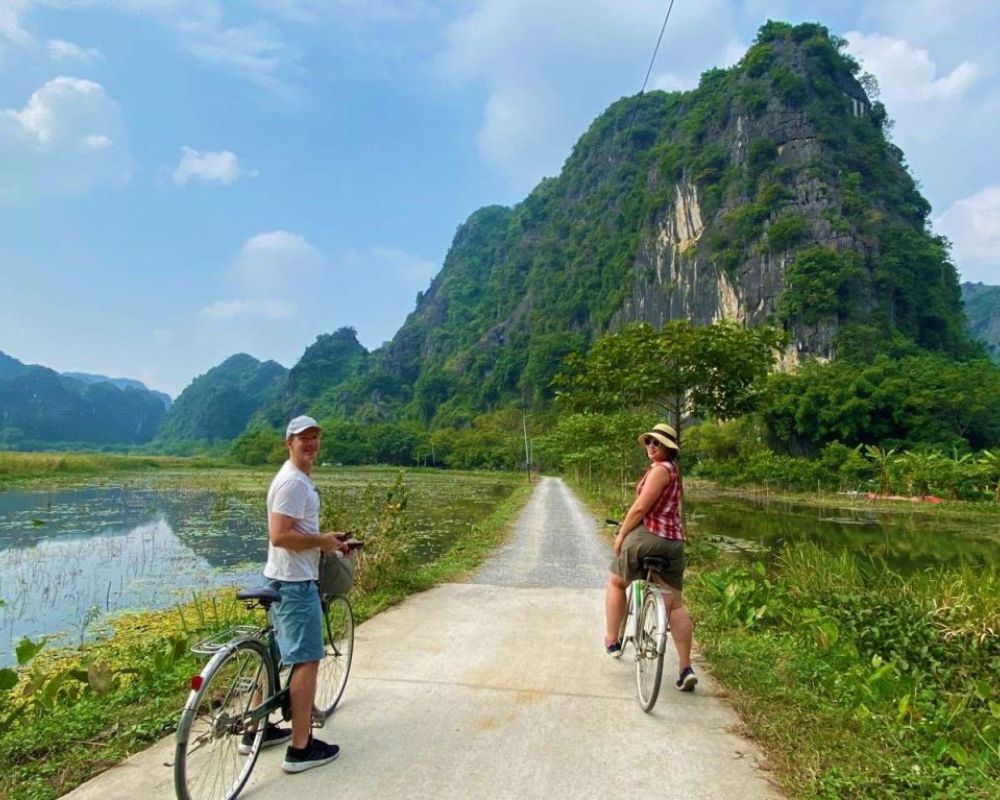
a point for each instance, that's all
(17, 466)
(894, 681)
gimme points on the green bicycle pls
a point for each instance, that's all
(221, 729)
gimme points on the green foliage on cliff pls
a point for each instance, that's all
(42, 410)
(682, 372)
(218, 404)
(523, 287)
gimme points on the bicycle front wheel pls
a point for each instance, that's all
(338, 645)
(650, 638)
(217, 743)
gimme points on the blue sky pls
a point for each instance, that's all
(181, 180)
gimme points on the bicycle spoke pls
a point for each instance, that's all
(209, 765)
(338, 644)
(649, 655)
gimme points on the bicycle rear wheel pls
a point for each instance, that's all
(338, 646)
(650, 638)
(213, 761)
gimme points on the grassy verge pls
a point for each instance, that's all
(987, 512)
(74, 714)
(26, 469)
(857, 682)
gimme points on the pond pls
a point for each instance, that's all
(69, 557)
(907, 541)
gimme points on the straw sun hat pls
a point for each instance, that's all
(664, 434)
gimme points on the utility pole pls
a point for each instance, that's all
(527, 452)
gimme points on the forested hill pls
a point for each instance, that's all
(769, 192)
(982, 307)
(43, 409)
(217, 405)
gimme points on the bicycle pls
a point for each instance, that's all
(240, 687)
(646, 627)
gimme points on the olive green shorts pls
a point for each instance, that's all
(641, 543)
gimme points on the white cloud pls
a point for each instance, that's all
(68, 138)
(97, 141)
(11, 29)
(277, 264)
(61, 50)
(262, 309)
(906, 73)
(973, 226)
(924, 101)
(255, 52)
(549, 68)
(312, 12)
(210, 167)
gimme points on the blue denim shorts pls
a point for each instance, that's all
(298, 621)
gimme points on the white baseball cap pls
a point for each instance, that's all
(300, 424)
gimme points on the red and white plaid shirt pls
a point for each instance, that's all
(664, 518)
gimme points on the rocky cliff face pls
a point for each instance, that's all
(677, 273)
(768, 194)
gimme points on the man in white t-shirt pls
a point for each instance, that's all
(294, 545)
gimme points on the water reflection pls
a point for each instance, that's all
(908, 542)
(69, 557)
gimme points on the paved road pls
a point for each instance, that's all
(499, 688)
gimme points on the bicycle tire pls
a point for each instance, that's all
(208, 764)
(649, 650)
(623, 628)
(334, 667)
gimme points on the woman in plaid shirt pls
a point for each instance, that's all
(654, 526)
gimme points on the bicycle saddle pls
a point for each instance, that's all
(263, 596)
(655, 563)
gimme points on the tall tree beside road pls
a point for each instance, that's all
(684, 370)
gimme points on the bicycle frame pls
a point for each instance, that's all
(276, 696)
(635, 594)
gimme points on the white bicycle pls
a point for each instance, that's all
(646, 627)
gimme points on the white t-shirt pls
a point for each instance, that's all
(293, 494)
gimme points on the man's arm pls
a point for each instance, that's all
(282, 534)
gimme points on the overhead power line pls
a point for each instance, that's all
(649, 70)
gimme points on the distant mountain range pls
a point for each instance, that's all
(982, 307)
(121, 383)
(41, 409)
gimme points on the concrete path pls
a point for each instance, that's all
(499, 688)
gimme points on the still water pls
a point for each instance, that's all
(67, 558)
(70, 557)
(907, 540)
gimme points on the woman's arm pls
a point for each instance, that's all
(656, 481)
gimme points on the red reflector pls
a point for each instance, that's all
(196, 682)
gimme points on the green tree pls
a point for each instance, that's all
(683, 370)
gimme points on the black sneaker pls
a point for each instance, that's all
(614, 649)
(272, 735)
(687, 680)
(315, 754)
